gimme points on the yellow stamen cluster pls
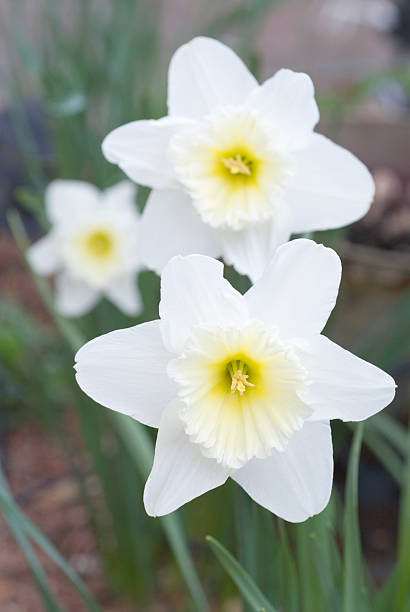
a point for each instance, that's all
(236, 165)
(238, 370)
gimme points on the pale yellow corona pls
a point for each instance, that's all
(240, 389)
(231, 168)
(99, 243)
(92, 246)
(93, 252)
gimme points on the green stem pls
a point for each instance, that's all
(354, 591)
(245, 530)
(402, 598)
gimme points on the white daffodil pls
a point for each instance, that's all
(92, 246)
(239, 386)
(236, 167)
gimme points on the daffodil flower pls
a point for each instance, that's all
(240, 386)
(236, 167)
(92, 246)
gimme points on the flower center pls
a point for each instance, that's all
(230, 166)
(238, 164)
(99, 244)
(238, 372)
(239, 390)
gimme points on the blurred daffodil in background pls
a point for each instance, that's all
(92, 246)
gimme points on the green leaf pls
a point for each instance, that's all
(289, 578)
(32, 202)
(13, 521)
(308, 580)
(268, 554)
(250, 591)
(354, 589)
(386, 594)
(23, 524)
(326, 556)
(387, 455)
(66, 328)
(402, 599)
(391, 429)
(245, 524)
(139, 444)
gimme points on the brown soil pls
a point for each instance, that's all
(15, 282)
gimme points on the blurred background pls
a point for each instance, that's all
(70, 71)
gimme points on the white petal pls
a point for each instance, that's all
(331, 187)
(120, 199)
(204, 74)
(298, 289)
(43, 255)
(140, 149)
(287, 99)
(296, 483)
(180, 471)
(194, 292)
(170, 226)
(342, 385)
(251, 249)
(67, 201)
(74, 297)
(123, 292)
(125, 370)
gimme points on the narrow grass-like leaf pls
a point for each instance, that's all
(66, 328)
(402, 599)
(50, 602)
(386, 595)
(139, 444)
(353, 584)
(290, 596)
(326, 557)
(387, 455)
(242, 14)
(267, 558)
(391, 429)
(14, 523)
(245, 532)
(308, 580)
(250, 591)
(23, 524)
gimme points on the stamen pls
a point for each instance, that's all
(240, 382)
(236, 165)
